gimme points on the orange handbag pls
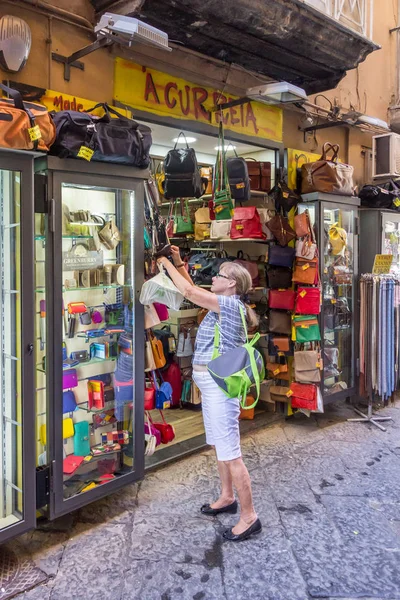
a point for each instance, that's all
(277, 371)
(305, 271)
(247, 414)
(158, 352)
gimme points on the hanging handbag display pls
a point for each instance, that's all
(281, 299)
(302, 224)
(281, 257)
(306, 329)
(279, 278)
(202, 224)
(327, 175)
(250, 266)
(182, 223)
(157, 349)
(246, 224)
(305, 271)
(307, 366)
(182, 174)
(115, 139)
(167, 431)
(303, 395)
(221, 230)
(149, 396)
(284, 198)
(308, 301)
(222, 200)
(305, 248)
(281, 230)
(280, 322)
(259, 174)
(24, 125)
(238, 177)
(279, 393)
(173, 376)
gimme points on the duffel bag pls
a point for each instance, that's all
(380, 196)
(24, 125)
(105, 139)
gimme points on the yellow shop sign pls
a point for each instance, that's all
(161, 94)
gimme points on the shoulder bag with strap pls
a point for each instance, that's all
(223, 205)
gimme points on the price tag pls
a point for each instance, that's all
(174, 229)
(303, 293)
(396, 202)
(197, 266)
(276, 372)
(239, 227)
(206, 234)
(289, 393)
(333, 300)
(305, 267)
(285, 194)
(304, 326)
(318, 365)
(326, 270)
(252, 305)
(86, 153)
(281, 289)
(34, 133)
(281, 354)
(240, 186)
(382, 263)
(218, 209)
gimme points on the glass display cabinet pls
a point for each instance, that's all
(89, 379)
(335, 222)
(379, 234)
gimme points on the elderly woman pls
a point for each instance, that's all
(221, 414)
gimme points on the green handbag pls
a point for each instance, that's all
(182, 223)
(223, 204)
(306, 329)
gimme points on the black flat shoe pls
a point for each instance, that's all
(239, 537)
(164, 251)
(231, 508)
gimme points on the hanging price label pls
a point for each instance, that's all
(218, 209)
(276, 372)
(197, 266)
(86, 153)
(303, 293)
(34, 133)
(206, 234)
(281, 354)
(304, 326)
(289, 393)
(240, 186)
(305, 267)
(285, 194)
(333, 300)
(396, 202)
(239, 227)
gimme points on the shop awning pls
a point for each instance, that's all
(283, 39)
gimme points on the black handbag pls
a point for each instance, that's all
(105, 139)
(182, 174)
(386, 195)
(238, 176)
(284, 198)
(279, 278)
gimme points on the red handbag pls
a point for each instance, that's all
(308, 301)
(304, 395)
(246, 224)
(166, 430)
(283, 299)
(211, 209)
(149, 397)
(173, 376)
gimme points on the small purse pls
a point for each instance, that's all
(306, 329)
(149, 363)
(282, 299)
(306, 249)
(308, 301)
(151, 318)
(182, 223)
(247, 414)
(281, 344)
(167, 431)
(71, 464)
(279, 278)
(281, 257)
(96, 394)
(302, 224)
(109, 235)
(69, 402)
(277, 371)
(220, 230)
(307, 366)
(70, 379)
(281, 229)
(202, 224)
(305, 271)
(304, 395)
(279, 393)
(68, 428)
(149, 397)
(81, 439)
(280, 322)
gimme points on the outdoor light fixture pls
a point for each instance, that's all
(15, 43)
(114, 29)
(277, 93)
(188, 139)
(372, 121)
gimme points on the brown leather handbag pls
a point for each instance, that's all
(279, 393)
(305, 271)
(327, 175)
(207, 173)
(280, 228)
(259, 174)
(280, 322)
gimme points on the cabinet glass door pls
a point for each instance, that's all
(391, 239)
(339, 250)
(96, 321)
(16, 360)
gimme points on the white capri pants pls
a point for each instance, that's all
(221, 417)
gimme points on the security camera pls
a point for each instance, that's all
(126, 30)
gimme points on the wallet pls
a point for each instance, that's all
(105, 418)
(81, 439)
(70, 379)
(96, 394)
(71, 463)
(69, 401)
(76, 308)
(85, 318)
(80, 356)
(68, 428)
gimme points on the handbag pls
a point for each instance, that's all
(151, 318)
(182, 223)
(281, 257)
(173, 376)
(307, 366)
(182, 174)
(149, 362)
(222, 200)
(185, 346)
(337, 239)
(150, 439)
(167, 431)
(305, 248)
(68, 428)
(70, 379)
(109, 235)
(24, 125)
(280, 322)
(250, 266)
(71, 463)
(280, 345)
(279, 393)
(116, 139)
(279, 278)
(305, 271)
(69, 402)
(302, 224)
(221, 230)
(327, 175)
(158, 350)
(303, 395)
(284, 198)
(265, 215)
(282, 299)
(163, 394)
(278, 371)
(81, 439)
(96, 394)
(308, 301)
(247, 414)
(246, 224)
(207, 173)
(306, 329)
(380, 196)
(259, 174)
(281, 230)
(162, 311)
(202, 224)
(238, 177)
(149, 396)
(149, 429)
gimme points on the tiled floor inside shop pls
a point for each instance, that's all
(328, 495)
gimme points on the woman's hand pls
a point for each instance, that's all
(176, 255)
(162, 260)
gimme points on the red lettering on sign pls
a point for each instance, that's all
(250, 117)
(61, 104)
(200, 95)
(170, 103)
(185, 109)
(232, 114)
(150, 88)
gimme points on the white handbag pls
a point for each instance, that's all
(221, 230)
(265, 215)
(185, 346)
(306, 249)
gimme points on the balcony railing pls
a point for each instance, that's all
(355, 14)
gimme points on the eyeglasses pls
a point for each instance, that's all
(223, 276)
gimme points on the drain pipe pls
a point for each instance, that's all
(39, 6)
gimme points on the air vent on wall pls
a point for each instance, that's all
(386, 153)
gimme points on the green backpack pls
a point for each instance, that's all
(238, 369)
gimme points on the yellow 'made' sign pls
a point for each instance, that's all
(161, 94)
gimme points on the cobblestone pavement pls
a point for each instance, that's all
(326, 491)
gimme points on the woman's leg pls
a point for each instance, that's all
(227, 495)
(241, 480)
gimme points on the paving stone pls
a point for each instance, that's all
(45, 549)
(165, 580)
(116, 508)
